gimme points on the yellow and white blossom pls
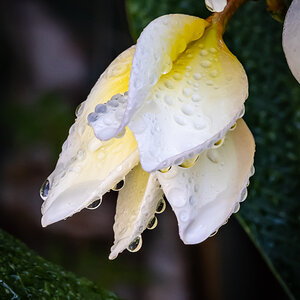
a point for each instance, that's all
(180, 92)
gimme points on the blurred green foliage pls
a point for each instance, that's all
(24, 275)
(32, 123)
(271, 214)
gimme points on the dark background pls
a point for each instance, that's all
(51, 54)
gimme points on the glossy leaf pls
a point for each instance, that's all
(25, 275)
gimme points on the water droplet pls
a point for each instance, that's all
(79, 109)
(189, 162)
(218, 144)
(197, 76)
(184, 216)
(214, 73)
(203, 52)
(209, 82)
(214, 233)
(95, 204)
(196, 98)
(169, 84)
(187, 91)
(177, 76)
(252, 170)
(136, 244)
(161, 206)
(168, 100)
(113, 103)
(44, 190)
(233, 127)
(80, 154)
(152, 223)
(165, 170)
(212, 156)
(242, 112)
(188, 68)
(101, 108)
(205, 63)
(179, 120)
(92, 117)
(212, 50)
(244, 194)
(119, 185)
(187, 109)
(236, 207)
(199, 124)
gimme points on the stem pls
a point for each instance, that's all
(221, 19)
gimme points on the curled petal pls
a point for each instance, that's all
(136, 206)
(192, 106)
(157, 48)
(204, 196)
(291, 38)
(87, 168)
(215, 5)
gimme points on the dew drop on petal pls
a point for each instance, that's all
(165, 170)
(203, 52)
(119, 185)
(218, 144)
(44, 190)
(236, 207)
(214, 233)
(79, 110)
(152, 223)
(187, 92)
(161, 206)
(244, 195)
(205, 63)
(136, 244)
(252, 170)
(212, 156)
(95, 204)
(233, 127)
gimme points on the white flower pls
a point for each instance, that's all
(291, 38)
(185, 93)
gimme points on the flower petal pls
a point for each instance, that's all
(87, 168)
(215, 5)
(157, 48)
(192, 106)
(291, 38)
(204, 196)
(136, 206)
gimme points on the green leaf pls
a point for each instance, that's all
(271, 214)
(24, 275)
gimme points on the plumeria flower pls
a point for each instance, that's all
(291, 38)
(163, 119)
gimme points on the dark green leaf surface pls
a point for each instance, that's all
(24, 275)
(271, 214)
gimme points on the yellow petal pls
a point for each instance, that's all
(87, 168)
(136, 206)
(192, 106)
(204, 196)
(158, 46)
